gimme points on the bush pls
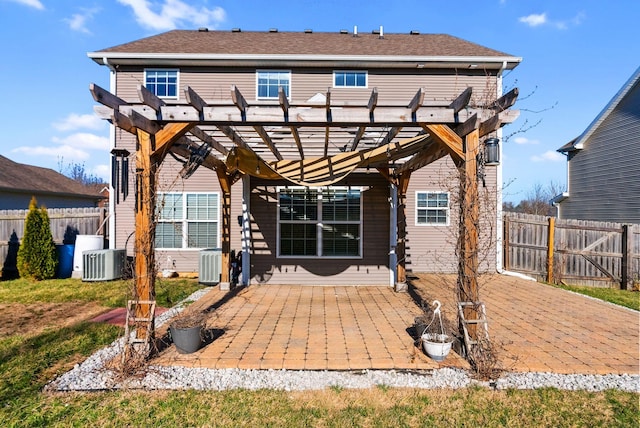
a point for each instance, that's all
(37, 258)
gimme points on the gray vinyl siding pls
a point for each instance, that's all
(203, 180)
(431, 248)
(604, 178)
(394, 86)
(371, 269)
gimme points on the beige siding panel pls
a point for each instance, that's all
(371, 269)
(393, 85)
(432, 248)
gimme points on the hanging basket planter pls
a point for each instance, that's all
(436, 344)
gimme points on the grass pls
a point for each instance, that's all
(28, 362)
(106, 293)
(627, 298)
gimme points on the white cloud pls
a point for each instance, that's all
(103, 171)
(534, 19)
(79, 121)
(78, 21)
(548, 156)
(525, 140)
(31, 3)
(65, 152)
(83, 140)
(173, 13)
(538, 19)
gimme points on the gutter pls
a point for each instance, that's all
(127, 58)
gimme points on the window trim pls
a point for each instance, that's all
(345, 86)
(258, 97)
(319, 224)
(185, 221)
(156, 69)
(447, 209)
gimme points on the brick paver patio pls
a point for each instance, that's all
(540, 328)
(312, 328)
(537, 328)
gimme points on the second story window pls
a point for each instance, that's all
(349, 79)
(270, 80)
(162, 82)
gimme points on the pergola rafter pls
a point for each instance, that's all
(311, 142)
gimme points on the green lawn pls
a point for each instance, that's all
(28, 362)
(629, 299)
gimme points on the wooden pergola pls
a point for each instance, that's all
(314, 143)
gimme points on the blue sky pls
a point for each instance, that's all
(576, 56)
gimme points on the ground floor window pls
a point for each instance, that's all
(319, 222)
(432, 208)
(187, 220)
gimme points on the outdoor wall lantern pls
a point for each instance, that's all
(491, 152)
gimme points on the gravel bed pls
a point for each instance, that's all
(93, 375)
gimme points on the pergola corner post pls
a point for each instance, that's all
(467, 283)
(401, 246)
(144, 248)
(225, 186)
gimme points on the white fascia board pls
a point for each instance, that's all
(414, 61)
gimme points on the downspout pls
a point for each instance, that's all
(393, 234)
(246, 230)
(112, 145)
(499, 222)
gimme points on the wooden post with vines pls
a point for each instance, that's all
(145, 203)
(468, 237)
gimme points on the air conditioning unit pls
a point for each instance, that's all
(210, 266)
(103, 265)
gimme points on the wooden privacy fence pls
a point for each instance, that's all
(76, 221)
(577, 252)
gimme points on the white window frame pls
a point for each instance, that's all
(355, 72)
(446, 209)
(319, 224)
(258, 97)
(184, 221)
(164, 97)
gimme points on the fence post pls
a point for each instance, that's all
(550, 245)
(627, 265)
(505, 242)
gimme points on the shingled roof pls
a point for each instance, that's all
(17, 177)
(199, 43)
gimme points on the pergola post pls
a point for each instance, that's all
(468, 231)
(225, 186)
(144, 252)
(401, 249)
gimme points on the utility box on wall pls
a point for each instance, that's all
(210, 266)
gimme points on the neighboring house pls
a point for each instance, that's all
(20, 182)
(297, 230)
(603, 167)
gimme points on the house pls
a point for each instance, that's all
(20, 182)
(324, 158)
(603, 178)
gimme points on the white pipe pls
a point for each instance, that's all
(112, 145)
(499, 178)
(246, 230)
(393, 234)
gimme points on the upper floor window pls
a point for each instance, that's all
(350, 79)
(162, 82)
(432, 208)
(270, 80)
(187, 220)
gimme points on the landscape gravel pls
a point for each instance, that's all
(93, 375)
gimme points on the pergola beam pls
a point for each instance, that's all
(448, 139)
